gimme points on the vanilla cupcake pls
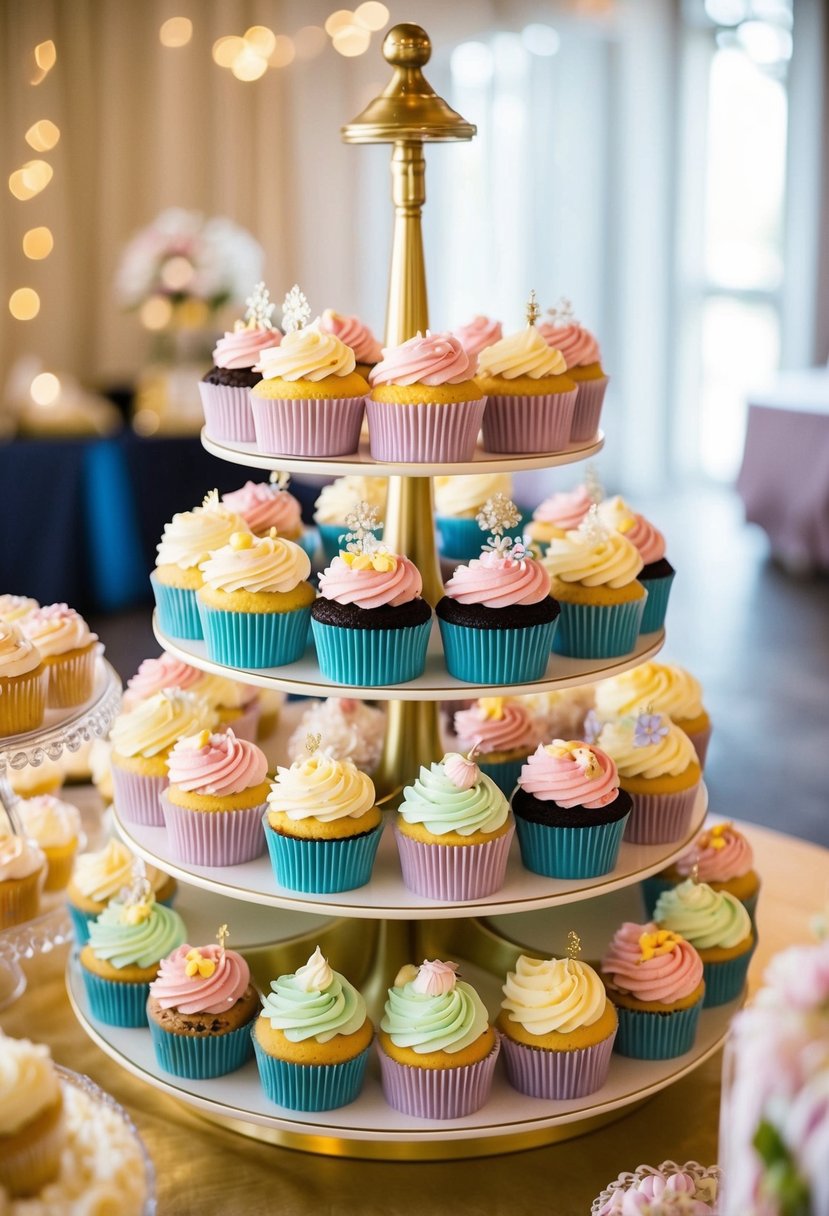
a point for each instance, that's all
(352, 730)
(56, 827)
(720, 856)
(32, 780)
(99, 877)
(581, 354)
(341, 498)
(14, 608)
(718, 925)
(22, 875)
(225, 389)
(666, 688)
(458, 501)
(236, 705)
(68, 649)
(31, 1121)
(657, 574)
(503, 732)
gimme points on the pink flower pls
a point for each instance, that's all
(435, 978)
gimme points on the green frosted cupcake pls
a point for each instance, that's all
(718, 925)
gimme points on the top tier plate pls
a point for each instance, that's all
(361, 462)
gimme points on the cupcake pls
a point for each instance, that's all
(654, 978)
(32, 780)
(370, 625)
(255, 601)
(200, 1009)
(68, 649)
(581, 355)
(557, 1027)
(720, 856)
(453, 831)
(322, 827)
(141, 742)
(267, 504)
(504, 733)
(98, 878)
(269, 704)
(352, 730)
(424, 404)
(22, 875)
(561, 513)
(310, 400)
(717, 924)
(657, 574)
(458, 501)
(356, 335)
(686, 1190)
(189, 538)
(658, 767)
(496, 618)
(100, 769)
(437, 1049)
(594, 579)
(478, 334)
(225, 390)
(570, 814)
(529, 399)
(312, 1039)
(126, 944)
(31, 1120)
(340, 499)
(236, 704)
(667, 689)
(56, 827)
(14, 608)
(215, 799)
(24, 681)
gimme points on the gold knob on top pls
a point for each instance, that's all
(407, 46)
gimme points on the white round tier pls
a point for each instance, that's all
(436, 684)
(361, 461)
(386, 897)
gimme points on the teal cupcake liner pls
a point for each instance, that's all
(725, 981)
(497, 656)
(322, 867)
(178, 611)
(369, 658)
(308, 541)
(311, 1087)
(598, 631)
(198, 1058)
(255, 639)
(503, 772)
(116, 1003)
(461, 539)
(652, 888)
(569, 852)
(656, 605)
(646, 1035)
(332, 538)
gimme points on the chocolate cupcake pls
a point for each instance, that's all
(224, 389)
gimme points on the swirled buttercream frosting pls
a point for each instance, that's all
(429, 1009)
(605, 559)
(263, 505)
(705, 917)
(465, 495)
(307, 354)
(153, 726)
(424, 359)
(556, 994)
(719, 854)
(495, 724)
(354, 333)
(666, 688)
(351, 729)
(652, 964)
(564, 510)
(242, 347)
(216, 765)
(322, 787)
(28, 1083)
(270, 564)
(56, 629)
(315, 1002)
(135, 935)
(570, 774)
(203, 979)
(498, 580)
(667, 752)
(20, 858)
(49, 821)
(371, 580)
(154, 675)
(18, 654)
(339, 499)
(478, 333)
(434, 800)
(191, 536)
(15, 607)
(615, 513)
(577, 345)
(100, 876)
(521, 354)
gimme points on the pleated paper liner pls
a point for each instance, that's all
(454, 872)
(651, 1035)
(497, 656)
(598, 631)
(587, 411)
(30, 1160)
(528, 424)
(557, 1075)
(322, 867)
(115, 1003)
(23, 701)
(656, 607)
(138, 796)
(726, 980)
(213, 838)
(660, 818)
(254, 639)
(461, 539)
(438, 1093)
(566, 852)
(310, 1087)
(71, 678)
(20, 898)
(326, 426)
(424, 432)
(227, 413)
(371, 657)
(178, 613)
(504, 773)
(60, 862)
(332, 538)
(199, 1057)
(700, 740)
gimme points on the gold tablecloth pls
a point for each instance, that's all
(206, 1170)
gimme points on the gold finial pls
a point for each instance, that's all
(312, 743)
(695, 873)
(533, 312)
(573, 944)
(222, 936)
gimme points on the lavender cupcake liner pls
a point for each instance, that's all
(557, 1075)
(528, 424)
(114, 1002)
(725, 981)
(438, 1093)
(227, 412)
(497, 656)
(454, 872)
(700, 740)
(313, 426)
(213, 838)
(332, 538)
(371, 657)
(651, 1035)
(660, 818)
(310, 1087)
(460, 538)
(254, 639)
(246, 725)
(598, 631)
(138, 796)
(200, 1058)
(504, 773)
(322, 867)
(656, 605)
(177, 608)
(427, 432)
(559, 852)
(587, 411)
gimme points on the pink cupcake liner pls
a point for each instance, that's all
(138, 796)
(588, 409)
(214, 838)
(227, 413)
(454, 872)
(246, 725)
(438, 1093)
(660, 818)
(557, 1075)
(328, 426)
(700, 740)
(437, 433)
(528, 424)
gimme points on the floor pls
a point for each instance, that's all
(758, 640)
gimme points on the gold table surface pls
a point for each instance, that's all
(204, 1169)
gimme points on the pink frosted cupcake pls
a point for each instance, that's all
(424, 403)
(357, 336)
(226, 388)
(216, 798)
(581, 354)
(478, 334)
(68, 648)
(657, 573)
(267, 504)
(721, 857)
(236, 704)
(504, 732)
(561, 513)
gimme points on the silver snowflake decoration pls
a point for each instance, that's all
(562, 313)
(296, 311)
(593, 484)
(498, 514)
(363, 523)
(258, 308)
(591, 527)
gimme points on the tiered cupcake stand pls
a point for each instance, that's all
(370, 932)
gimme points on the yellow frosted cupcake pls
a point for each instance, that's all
(31, 1120)
(99, 877)
(24, 682)
(68, 649)
(340, 499)
(56, 827)
(22, 874)
(458, 501)
(665, 688)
